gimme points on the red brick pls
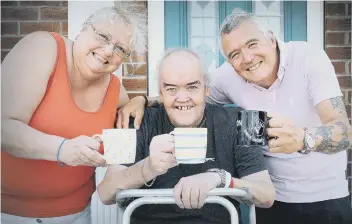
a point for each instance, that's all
(19, 13)
(344, 96)
(139, 6)
(135, 58)
(335, 9)
(335, 38)
(134, 69)
(132, 95)
(339, 67)
(29, 27)
(3, 54)
(333, 24)
(65, 3)
(142, 70)
(135, 84)
(53, 13)
(344, 81)
(339, 52)
(8, 3)
(8, 28)
(64, 26)
(9, 42)
(40, 3)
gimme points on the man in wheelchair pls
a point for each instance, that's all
(183, 86)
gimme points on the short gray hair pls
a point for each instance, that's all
(128, 14)
(236, 18)
(171, 51)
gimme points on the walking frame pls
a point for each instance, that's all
(165, 196)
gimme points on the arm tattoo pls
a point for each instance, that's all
(334, 137)
(338, 105)
(329, 144)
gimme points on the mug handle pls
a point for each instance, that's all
(173, 134)
(98, 137)
(267, 126)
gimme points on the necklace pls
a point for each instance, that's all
(202, 122)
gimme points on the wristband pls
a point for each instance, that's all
(58, 154)
(145, 182)
(232, 183)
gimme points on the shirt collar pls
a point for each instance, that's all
(283, 59)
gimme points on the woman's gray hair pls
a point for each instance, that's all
(236, 18)
(171, 51)
(129, 13)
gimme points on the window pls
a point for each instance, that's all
(195, 24)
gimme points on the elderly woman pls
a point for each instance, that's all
(58, 93)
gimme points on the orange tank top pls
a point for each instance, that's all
(40, 188)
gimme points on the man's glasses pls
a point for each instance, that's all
(105, 39)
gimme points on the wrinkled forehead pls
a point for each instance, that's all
(181, 69)
(240, 35)
(117, 28)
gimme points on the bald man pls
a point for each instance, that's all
(183, 87)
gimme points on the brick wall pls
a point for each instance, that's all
(338, 47)
(134, 69)
(19, 18)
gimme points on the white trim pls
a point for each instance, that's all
(315, 23)
(155, 43)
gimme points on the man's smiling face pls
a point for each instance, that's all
(251, 54)
(182, 89)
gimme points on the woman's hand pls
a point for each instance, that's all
(134, 108)
(81, 151)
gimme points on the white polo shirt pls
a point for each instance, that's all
(306, 77)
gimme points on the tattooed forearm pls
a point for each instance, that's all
(338, 105)
(332, 138)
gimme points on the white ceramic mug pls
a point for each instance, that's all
(190, 145)
(119, 145)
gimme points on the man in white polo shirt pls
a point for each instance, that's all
(297, 86)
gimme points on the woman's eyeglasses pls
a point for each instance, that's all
(104, 39)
